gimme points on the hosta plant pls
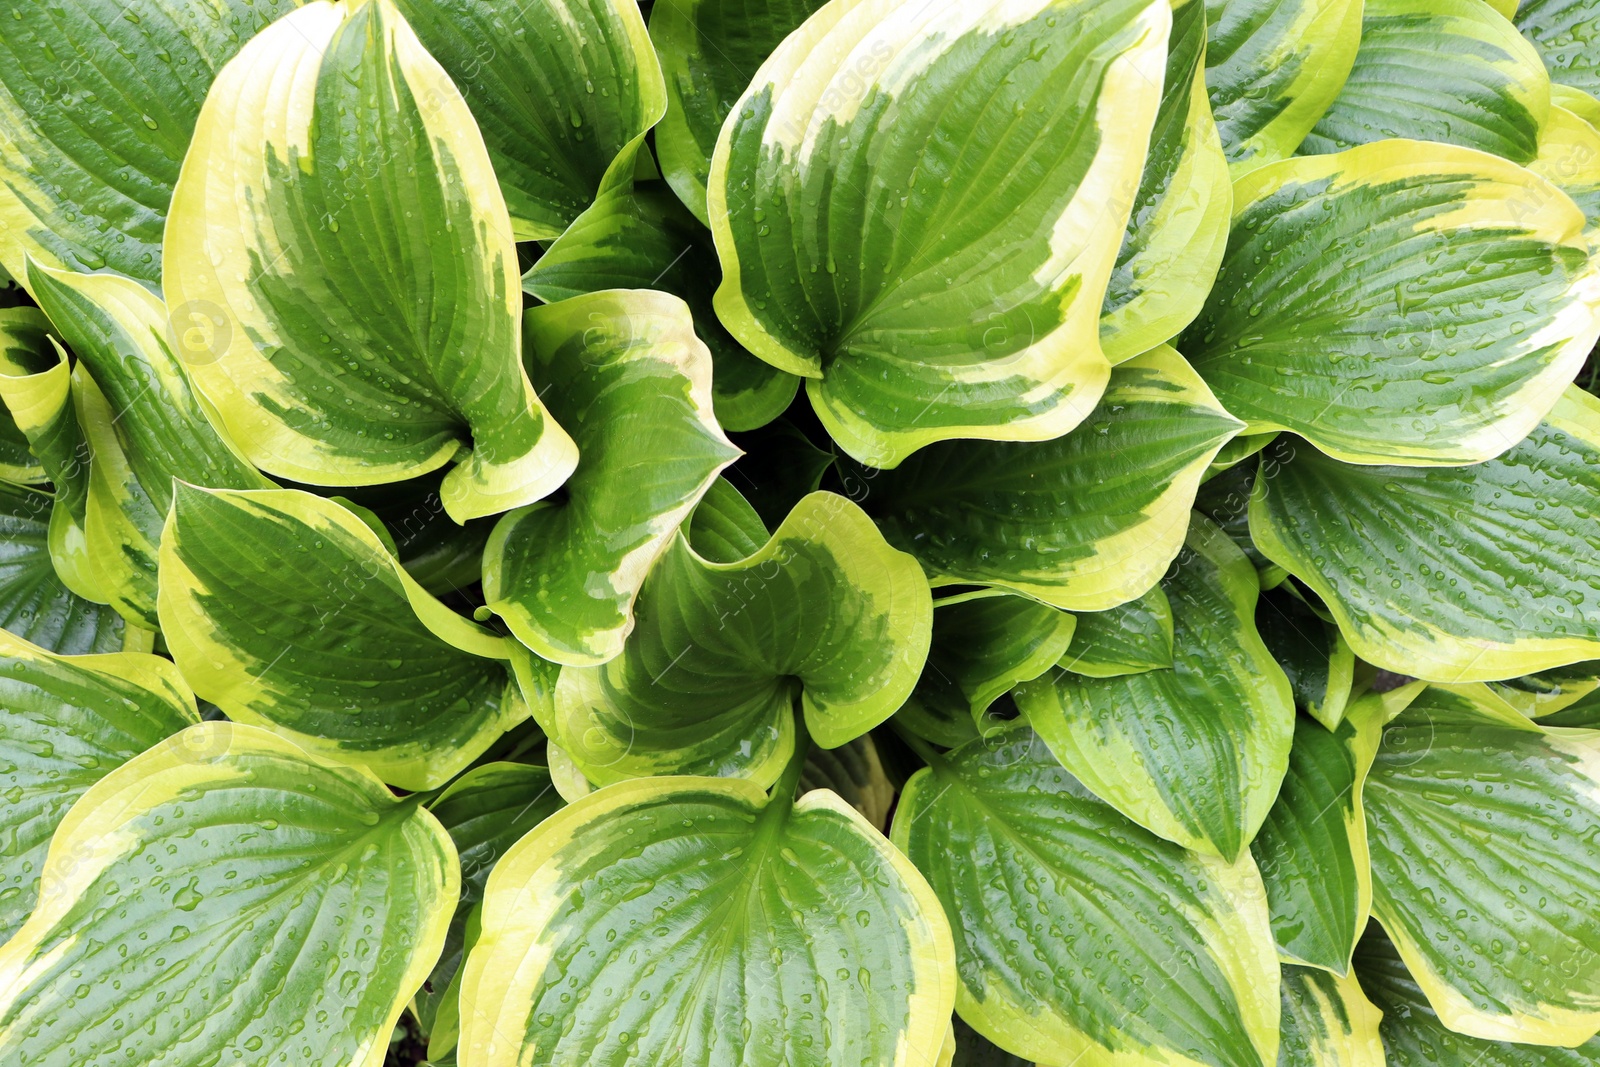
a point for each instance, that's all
(877, 533)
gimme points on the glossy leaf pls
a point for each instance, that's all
(1311, 651)
(641, 237)
(150, 428)
(1327, 1022)
(1312, 850)
(560, 88)
(1085, 522)
(1473, 305)
(98, 99)
(399, 350)
(633, 383)
(66, 722)
(1272, 69)
(1032, 869)
(1195, 753)
(1413, 1035)
(983, 645)
(824, 614)
(1455, 71)
(1179, 224)
(1453, 773)
(1563, 31)
(838, 955)
(310, 956)
(34, 604)
(1569, 156)
(24, 349)
(286, 610)
(891, 299)
(1481, 553)
(710, 50)
(1128, 639)
(485, 812)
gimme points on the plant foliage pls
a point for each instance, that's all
(799, 534)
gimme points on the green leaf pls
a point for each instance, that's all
(485, 811)
(710, 49)
(1273, 67)
(1466, 805)
(1563, 31)
(725, 528)
(1455, 71)
(1413, 1035)
(400, 350)
(561, 89)
(66, 722)
(150, 427)
(633, 383)
(1179, 224)
(641, 237)
(1128, 639)
(1580, 103)
(1569, 156)
(854, 771)
(246, 900)
(1312, 850)
(893, 300)
(1036, 873)
(1085, 522)
(983, 645)
(1473, 305)
(1195, 753)
(286, 610)
(825, 613)
(33, 603)
(1327, 1021)
(1311, 651)
(98, 99)
(740, 930)
(1482, 554)
(975, 1050)
(36, 386)
(24, 349)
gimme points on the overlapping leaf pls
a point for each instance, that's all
(1449, 574)
(824, 615)
(1327, 1022)
(24, 350)
(287, 610)
(735, 928)
(630, 379)
(1564, 32)
(245, 898)
(33, 603)
(1196, 752)
(858, 220)
(1400, 302)
(1032, 870)
(1484, 866)
(1085, 522)
(1127, 639)
(343, 232)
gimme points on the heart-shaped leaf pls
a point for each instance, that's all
(1496, 961)
(1085, 522)
(401, 349)
(1032, 869)
(825, 613)
(248, 901)
(1474, 305)
(1223, 715)
(735, 929)
(1482, 554)
(1272, 69)
(561, 89)
(66, 722)
(1179, 224)
(286, 610)
(630, 379)
(98, 99)
(1455, 71)
(937, 134)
